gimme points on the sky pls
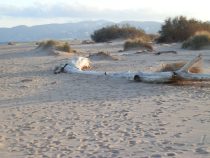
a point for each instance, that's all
(36, 12)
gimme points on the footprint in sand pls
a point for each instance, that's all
(177, 135)
(156, 156)
(202, 150)
(171, 154)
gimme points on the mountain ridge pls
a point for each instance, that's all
(79, 30)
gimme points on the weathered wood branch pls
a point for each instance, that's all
(182, 74)
(187, 66)
(174, 76)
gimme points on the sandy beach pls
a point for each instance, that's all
(43, 115)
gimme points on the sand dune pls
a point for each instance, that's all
(102, 56)
(73, 115)
(50, 52)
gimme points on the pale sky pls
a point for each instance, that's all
(34, 12)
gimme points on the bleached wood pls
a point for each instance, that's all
(185, 76)
(154, 77)
(182, 74)
(187, 66)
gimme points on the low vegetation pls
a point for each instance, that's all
(180, 29)
(153, 37)
(199, 41)
(57, 45)
(197, 68)
(138, 43)
(102, 56)
(117, 32)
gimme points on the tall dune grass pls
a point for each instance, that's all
(57, 45)
(138, 43)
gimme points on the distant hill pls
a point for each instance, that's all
(80, 30)
(147, 26)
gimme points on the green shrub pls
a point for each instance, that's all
(58, 45)
(115, 32)
(198, 41)
(180, 29)
(138, 43)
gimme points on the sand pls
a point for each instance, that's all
(71, 115)
(102, 56)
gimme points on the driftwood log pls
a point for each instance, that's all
(181, 74)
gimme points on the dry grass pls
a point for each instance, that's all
(197, 68)
(139, 43)
(201, 40)
(57, 45)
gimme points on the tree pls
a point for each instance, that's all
(180, 29)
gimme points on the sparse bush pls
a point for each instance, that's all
(116, 32)
(57, 45)
(180, 29)
(198, 41)
(138, 43)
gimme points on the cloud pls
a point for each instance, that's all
(82, 12)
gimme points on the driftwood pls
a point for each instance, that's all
(174, 66)
(181, 74)
(76, 64)
(165, 52)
